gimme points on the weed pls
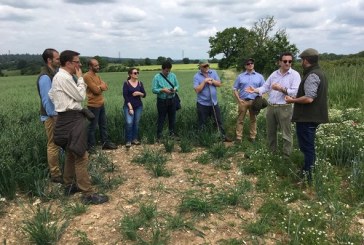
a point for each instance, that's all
(45, 227)
(84, 240)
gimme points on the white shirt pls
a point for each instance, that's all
(65, 93)
(290, 80)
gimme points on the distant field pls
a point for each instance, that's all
(174, 67)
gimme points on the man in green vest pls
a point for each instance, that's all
(310, 107)
(48, 115)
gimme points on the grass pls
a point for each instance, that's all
(324, 213)
(44, 227)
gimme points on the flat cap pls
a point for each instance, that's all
(309, 52)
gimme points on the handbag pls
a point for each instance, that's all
(177, 100)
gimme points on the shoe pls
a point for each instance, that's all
(57, 179)
(94, 199)
(251, 140)
(226, 139)
(71, 190)
(135, 142)
(128, 144)
(109, 146)
(238, 140)
(174, 136)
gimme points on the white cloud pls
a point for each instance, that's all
(147, 28)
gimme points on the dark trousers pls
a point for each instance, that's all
(100, 119)
(166, 107)
(206, 112)
(306, 133)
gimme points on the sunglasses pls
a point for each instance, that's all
(136, 73)
(204, 66)
(285, 61)
(249, 64)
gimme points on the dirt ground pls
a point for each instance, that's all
(101, 222)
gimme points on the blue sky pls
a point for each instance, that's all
(171, 28)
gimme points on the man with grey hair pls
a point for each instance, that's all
(310, 107)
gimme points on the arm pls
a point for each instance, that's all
(157, 85)
(45, 85)
(310, 87)
(91, 84)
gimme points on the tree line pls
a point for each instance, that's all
(234, 44)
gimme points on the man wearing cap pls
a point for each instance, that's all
(245, 100)
(282, 82)
(205, 83)
(310, 107)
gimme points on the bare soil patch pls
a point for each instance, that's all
(101, 222)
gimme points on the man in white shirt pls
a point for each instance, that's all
(70, 131)
(282, 82)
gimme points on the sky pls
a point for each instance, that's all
(172, 28)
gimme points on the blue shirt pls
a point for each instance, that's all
(245, 80)
(45, 85)
(128, 91)
(208, 95)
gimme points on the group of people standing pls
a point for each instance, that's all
(62, 89)
(285, 87)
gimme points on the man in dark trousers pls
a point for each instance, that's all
(310, 107)
(96, 104)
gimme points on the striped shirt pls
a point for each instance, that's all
(65, 93)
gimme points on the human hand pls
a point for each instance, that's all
(209, 80)
(103, 86)
(131, 112)
(276, 86)
(166, 90)
(288, 99)
(78, 72)
(250, 89)
(137, 93)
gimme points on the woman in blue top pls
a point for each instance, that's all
(133, 91)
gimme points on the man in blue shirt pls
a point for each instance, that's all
(245, 99)
(48, 115)
(205, 83)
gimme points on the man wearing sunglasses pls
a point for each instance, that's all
(205, 82)
(310, 108)
(282, 82)
(245, 100)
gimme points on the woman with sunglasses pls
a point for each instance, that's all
(133, 91)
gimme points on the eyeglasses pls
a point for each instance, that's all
(285, 61)
(204, 66)
(76, 61)
(136, 73)
(249, 64)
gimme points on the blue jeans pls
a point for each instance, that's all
(100, 119)
(132, 123)
(166, 107)
(306, 132)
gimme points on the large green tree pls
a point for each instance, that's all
(237, 44)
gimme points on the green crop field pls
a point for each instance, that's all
(328, 212)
